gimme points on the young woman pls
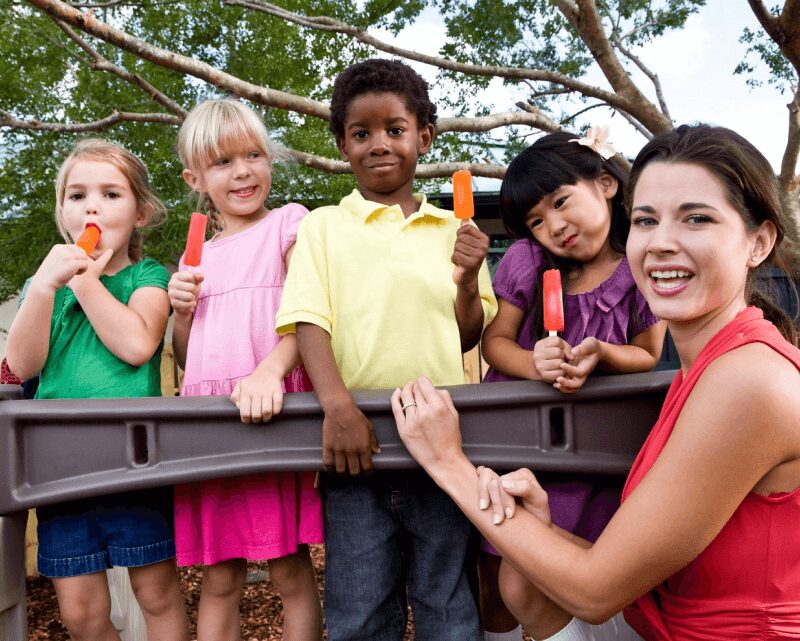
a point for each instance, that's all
(706, 540)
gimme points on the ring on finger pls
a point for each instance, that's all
(404, 406)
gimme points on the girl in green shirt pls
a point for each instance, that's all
(93, 325)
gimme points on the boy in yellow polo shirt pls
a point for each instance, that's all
(382, 288)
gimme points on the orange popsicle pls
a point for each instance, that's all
(195, 239)
(462, 195)
(89, 238)
(553, 302)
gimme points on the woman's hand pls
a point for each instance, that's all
(491, 493)
(428, 424)
(523, 485)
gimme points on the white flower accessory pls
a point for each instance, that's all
(597, 139)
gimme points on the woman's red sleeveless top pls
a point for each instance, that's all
(746, 583)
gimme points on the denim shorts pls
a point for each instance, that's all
(82, 537)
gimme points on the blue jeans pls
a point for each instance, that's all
(391, 535)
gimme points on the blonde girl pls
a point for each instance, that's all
(94, 327)
(225, 339)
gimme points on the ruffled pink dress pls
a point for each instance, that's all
(261, 516)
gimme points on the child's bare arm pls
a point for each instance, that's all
(469, 252)
(260, 396)
(640, 355)
(29, 336)
(131, 332)
(183, 291)
(500, 347)
(348, 438)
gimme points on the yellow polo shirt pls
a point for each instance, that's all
(382, 286)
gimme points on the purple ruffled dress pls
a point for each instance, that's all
(605, 312)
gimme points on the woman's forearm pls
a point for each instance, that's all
(563, 569)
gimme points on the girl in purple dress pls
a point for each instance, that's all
(563, 198)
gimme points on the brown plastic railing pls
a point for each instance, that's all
(53, 451)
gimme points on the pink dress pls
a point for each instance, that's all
(260, 516)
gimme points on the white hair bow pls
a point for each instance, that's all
(597, 138)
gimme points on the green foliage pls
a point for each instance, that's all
(761, 47)
(46, 76)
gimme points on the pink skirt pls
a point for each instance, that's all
(256, 517)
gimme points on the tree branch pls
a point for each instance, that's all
(630, 100)
(768, 21)
(588, 24)
(532, 118)
(783, 29)
(555, 91)
(546, 124)
(790, 23)
(788, 180)
(564, 121)
(101, 5)
(100, 63)
(182, 64)
(635, 124)
(650, 74)
(433, 170)
(63, 13)
(8, 120)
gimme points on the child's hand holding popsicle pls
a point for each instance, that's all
(471, 244)
(184, 286)
(582, 359)
(550, 353)
(63, 262)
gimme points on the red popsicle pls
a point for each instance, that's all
(553, 303)
(89, 238)
(195, 239)
(463, 206)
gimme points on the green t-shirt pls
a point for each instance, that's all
(78, 364)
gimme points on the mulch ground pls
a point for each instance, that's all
(262, 618)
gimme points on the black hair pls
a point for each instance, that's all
(751, 189)
(379, 75)
(552, 161)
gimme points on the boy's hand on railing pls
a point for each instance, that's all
(491, 494)
(549, 355)
(348, 440)
(523, 485)
(259, 396)
(582, 359)
(469, 252)
(183, 291)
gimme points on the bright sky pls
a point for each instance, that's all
(695, 66)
